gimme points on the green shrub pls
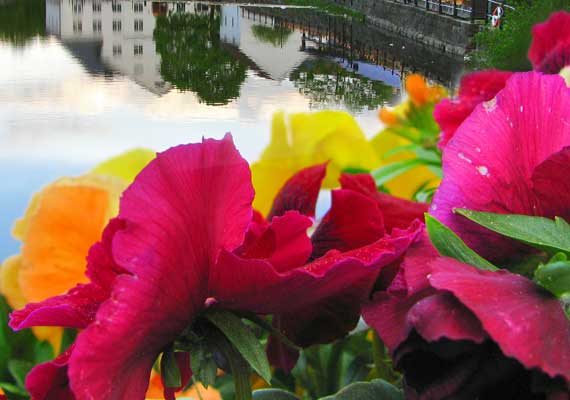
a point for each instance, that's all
(507, 48)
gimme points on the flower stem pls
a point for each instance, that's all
(381, 369)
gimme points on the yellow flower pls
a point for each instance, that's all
(61, 223)
(309, 139)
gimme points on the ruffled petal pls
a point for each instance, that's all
(525, 321)
(488, 166)
(75, 309)
(49, 381)
(284, 243)
(353, 221)
(550, 48)
(300, 192)
(258, 287)
(398, 213)
(187, 204)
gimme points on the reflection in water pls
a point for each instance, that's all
(329, 83)
(194, 59)
(276, 35)
(22, 20)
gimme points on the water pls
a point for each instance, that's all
(85, 80)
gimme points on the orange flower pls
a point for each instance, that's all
(419, 91)
(388, 117)
(196, 392)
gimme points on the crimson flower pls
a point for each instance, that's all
(550, 48)
(186, 239)
(359, 216)
(457, 332)
(510, 156)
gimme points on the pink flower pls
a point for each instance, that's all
(459, 332)
(509, 156)
(550, 48)
(474, 89)
(359, 216)
(186, 239)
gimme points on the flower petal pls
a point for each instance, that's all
(551, 183)
(300, 192)
(49, 381)
(284, 243)
(398, 213)
(256, 286)
(353, 221)
(489, 164)
(526, 322)
(474, 89)
(127, 165)
(550, 48)
(186, 205)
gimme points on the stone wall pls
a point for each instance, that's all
(443, 32)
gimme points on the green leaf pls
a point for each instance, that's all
(448, 244)
(43, 352)
(268, 326)
(169, 370)
(555, 276)
(203, 364)
(391, 171)
(545, 234)
(273, 394)
(67, 338)
(376, 389)
(14, 392)
(19, 369)
(243, 339)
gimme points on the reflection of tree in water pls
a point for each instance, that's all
(273, 35)
(22, 20)
(193, 58)
(326, 83)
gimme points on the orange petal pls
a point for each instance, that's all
(68, 217)
(417, 89)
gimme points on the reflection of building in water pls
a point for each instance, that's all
(113, 36)
(273, 48)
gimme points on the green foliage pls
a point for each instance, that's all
(273, 35)
(376, 389)
(448, 244)
(555, 276)
(193, 58)
(507, 48)
(327, 6)
(22, 20)
(552, 236)
(273, 394)
(243, 339)
(324, 81)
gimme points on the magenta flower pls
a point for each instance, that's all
(474, 89)
(187, 239)
(457, 332)
(550, 48)
(359, 216)
(509, 157)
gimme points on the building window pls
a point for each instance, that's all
(97, 7)
(117, 25)
(77, 26)
(138, 7)
(96, 26)
(77, 8)
(138, 49)
(116, 6)
(117, 50)
(138, 25)
(180, 7)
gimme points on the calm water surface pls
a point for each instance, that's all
(85, 80)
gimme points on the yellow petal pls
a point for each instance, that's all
(312, 138)
(127, 165)
(276, 164)
(155, 390)
(9, 284)
(68, 217)
(51, 334)
(565, 73)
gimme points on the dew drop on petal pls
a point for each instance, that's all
(490, 105)
(483, 170)
(463, 157)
